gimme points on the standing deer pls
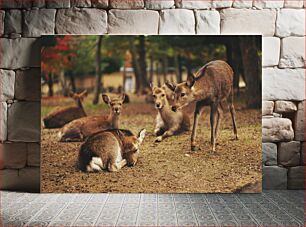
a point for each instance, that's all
(81, 128)
(110, 150)
(61, 116)
(168, 122)
(212, 85)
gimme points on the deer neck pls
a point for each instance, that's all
(80, 105)
(114, 119)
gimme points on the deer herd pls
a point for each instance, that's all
(107, 147)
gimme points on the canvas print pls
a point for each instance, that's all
(151, 114)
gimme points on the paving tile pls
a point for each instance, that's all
(270, 208)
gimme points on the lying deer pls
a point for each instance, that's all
(168, 122)
(110, 150)
(81, 128)
(61, 116)
(212, 85)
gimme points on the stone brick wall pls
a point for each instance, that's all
(281, 22)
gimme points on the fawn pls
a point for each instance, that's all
(81, 128)
(212, 85)
(168, 122)
(61, 116)
(110, 150)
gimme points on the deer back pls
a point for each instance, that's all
(214, 80)
(61, 116)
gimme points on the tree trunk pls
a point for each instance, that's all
(72, 81)
(124, 78)
(98, 83)
(165, 67)
(252, 71)
(188, 66)
(178, 68)
(50, 85)
(142, 62)
(151, 69)
(233, 58)
(135, 64)
(158, 74)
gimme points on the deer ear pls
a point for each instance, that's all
(106, 98)
(170, 85)
(71, 94)
(84, 93)
(141, 135)
(122, 97)
(190, 80)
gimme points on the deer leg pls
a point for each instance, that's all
(197, 114)
(115, 167)
(219, 116)
(233, 114)
(159, 128)
(168, 133)
(213, 114)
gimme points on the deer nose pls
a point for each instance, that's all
(116, 109)
(157, 105)
(174, 108)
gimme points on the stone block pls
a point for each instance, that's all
(13, 21)
(208, 22)
(277, 129)
(38, 3)
(283, 84)
(19, 53)
(262, 4)
(274, 177)
(80, 3)
(248, 21)
(269, 154)
(81, 21)
(159, 4)
(290, 22)
(15, 4)
(126, 4)
(7, 84)
(242, 4)
(296, 178)
(39, 22)
(267, 107)
(27, 84)
(26, 179)
(2, 15)
(55, 4)
(133, 22)
(3, 121)
(293, 3)
(285, 107)
(270, 51)
(99, 3)
(299, 122)
(33, 158)
(24, 122)
(292, 52)
(13, 155)
(177, 21)
(289, 153)
(191, 4)
(303, 160)
(222, 3)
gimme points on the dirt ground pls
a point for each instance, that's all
(162, 167)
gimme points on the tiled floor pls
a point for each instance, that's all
(271, 208)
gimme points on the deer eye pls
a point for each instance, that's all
(183, 94)
(154, 96)
(163, 95)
